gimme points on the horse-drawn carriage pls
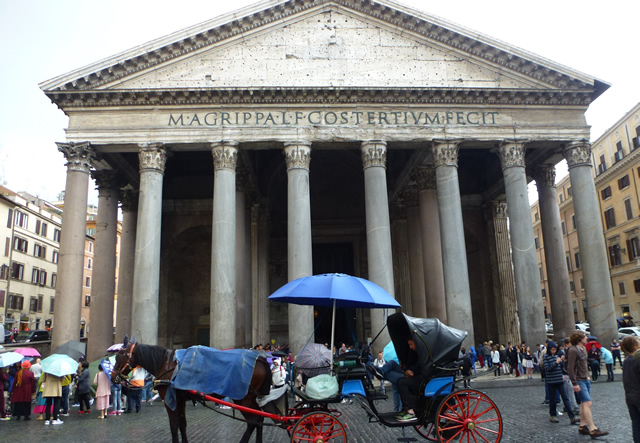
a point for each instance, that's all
(443, 412)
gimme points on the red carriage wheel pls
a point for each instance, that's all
(468, 416)
(318, 427)
(427, 431)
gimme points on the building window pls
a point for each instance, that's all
(16, 302)
(582, 283)
(10, 218)
(541, 273)
(573, 221)
(602, 166)
(88, 263)
(7, 246)
(572, 285)
(561, 197)
(17, 271)
(568, 263)
(621, 288)
(577, 259)
(20, 244)
(614, 255)
(91, 244)
(628, 208)
(633, 248)
(51, 305)
(54, 280)
(606, 193)
(3, 294)
(536, 216)
(22, 219)
(56, 235)
(564, 229)
(544, 293)
(636, 285)
(537, 242)
(43, 277)
(87, 300)
(4, 272)
(569, 191)
(623, 182)
(40, 251)
(54, 257)
(87, 282)
(619, 155)
(33, 304)
(609, 218)
(35, 276)
(41, 228)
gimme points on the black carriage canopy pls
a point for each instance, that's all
(437, 344)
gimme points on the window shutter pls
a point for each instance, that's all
(630, 250)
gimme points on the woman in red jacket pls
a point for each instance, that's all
(23, 391)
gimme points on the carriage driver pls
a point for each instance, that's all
(407, 377)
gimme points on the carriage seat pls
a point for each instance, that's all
(439, 386)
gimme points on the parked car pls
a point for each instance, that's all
(629, 330)
(31, 336)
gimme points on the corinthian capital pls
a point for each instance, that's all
(445, 152)
(374, 153)
(410, 196)
(129, 200)
(511, 153)
(545, 176)
(152, 157)
(499, 209)
(108, 179)
(297, 154)
(79, 156)
(577, 154)
(425, 176)
(225, 155)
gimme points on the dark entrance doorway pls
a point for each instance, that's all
(328, 258)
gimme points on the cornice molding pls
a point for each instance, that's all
(262, 96)
(618, 167)
(422, 26)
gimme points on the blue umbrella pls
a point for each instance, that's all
(336, 290)
(389, 353)
(59, 365)
(10, 358)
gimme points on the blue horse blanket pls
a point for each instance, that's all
(208, 370)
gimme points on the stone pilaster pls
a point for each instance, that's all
(554, 252)
(431, 243)
(525, 261)
(379, 255)
(454, 255)
(222, 333)
(146, 278)
(129, 205)
(593, 251)
(507, 305)
(299, 255)
(67, 316)
(416, 263)
(103, 284)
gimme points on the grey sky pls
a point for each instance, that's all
(44, 38)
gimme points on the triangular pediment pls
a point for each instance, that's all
(324, 44)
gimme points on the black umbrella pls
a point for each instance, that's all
(73, 349)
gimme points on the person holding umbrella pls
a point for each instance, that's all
(52, 392)
(3, 378)
(23, 391)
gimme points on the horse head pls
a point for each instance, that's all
(124, 364)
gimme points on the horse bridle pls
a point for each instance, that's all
(124, 369)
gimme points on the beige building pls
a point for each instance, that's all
(28, 277)
(616, 161)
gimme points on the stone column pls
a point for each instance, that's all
(379, 256)
(593, 251)
(431, 243)
(400, 245)
(260, 264)
(299, 256)
(416, 264)
(454, 254)
(66, 318)
(554, 253)
(129, 200)
(146, 274)
(507, 305)
(222, 334)
(103, 283)
(525, 261)
(243, 266)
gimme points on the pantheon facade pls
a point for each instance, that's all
(293, 138)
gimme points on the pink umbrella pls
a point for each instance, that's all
(27, 352)
(115, 348)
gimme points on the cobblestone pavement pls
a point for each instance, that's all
(525, 419)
